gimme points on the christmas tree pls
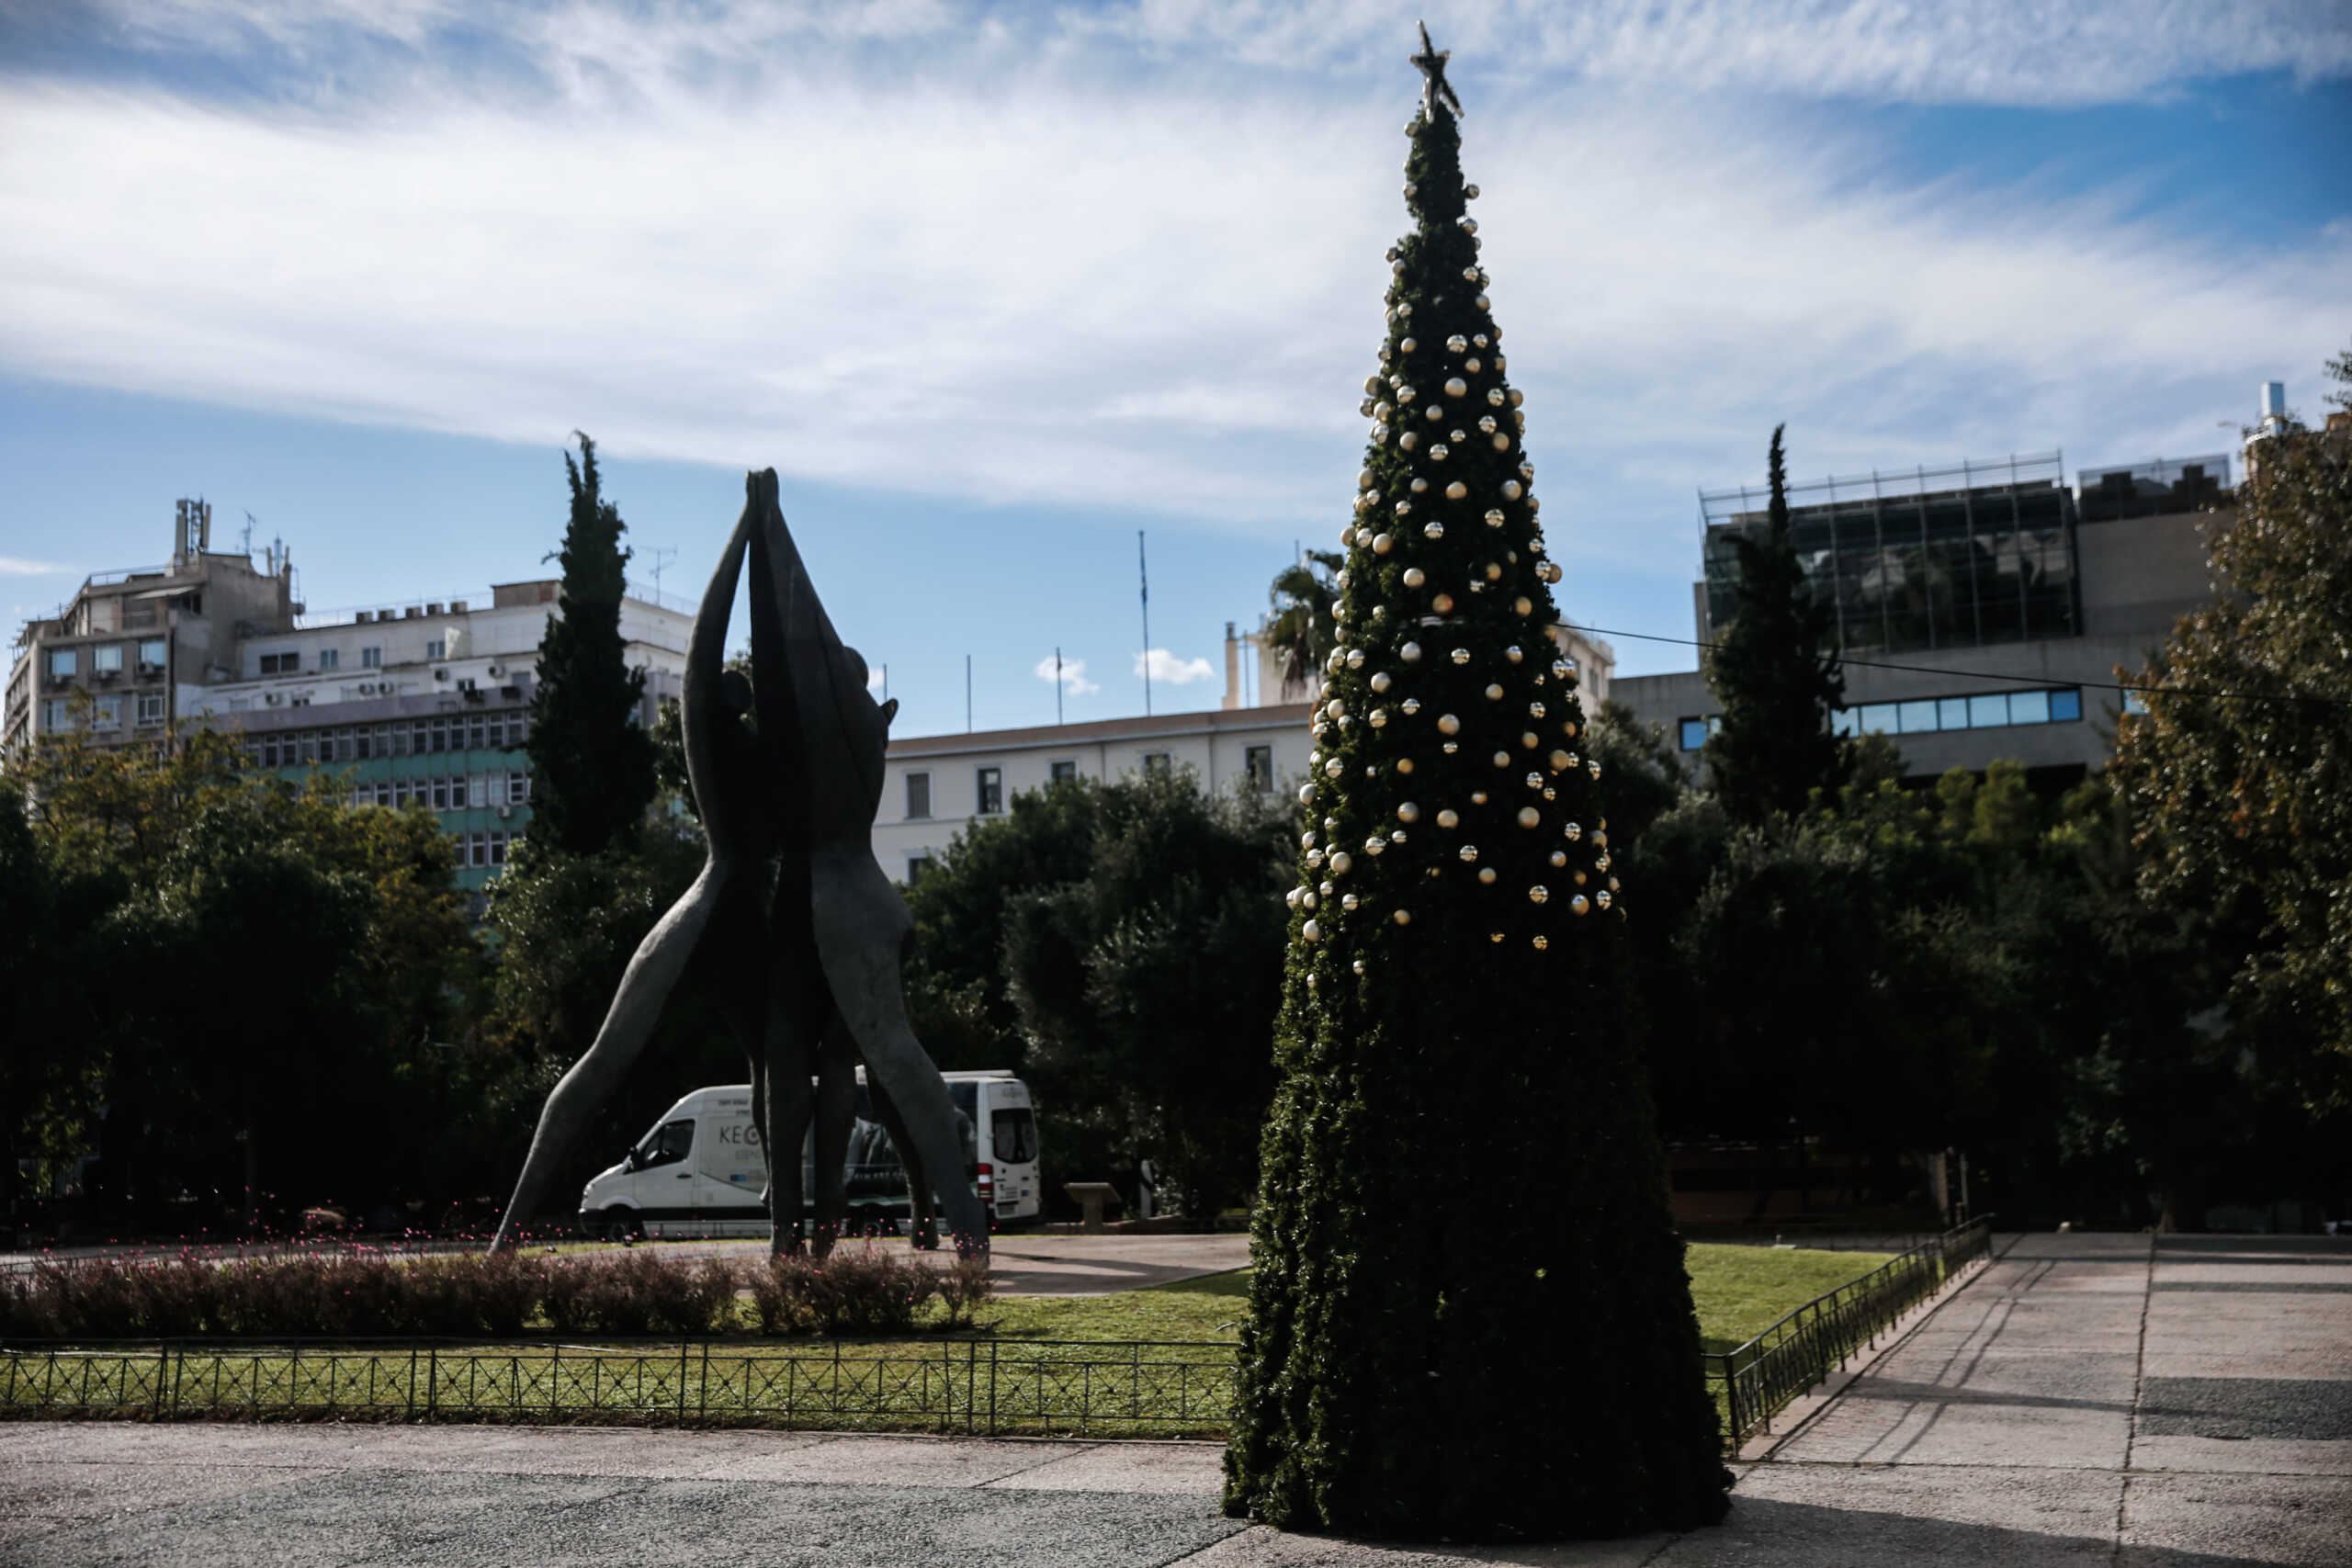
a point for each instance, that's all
(1469, 1315)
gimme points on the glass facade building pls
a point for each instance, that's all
(1933, 558)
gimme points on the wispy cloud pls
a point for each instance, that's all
(17, 566)
(943, 249)
(1070, 672)
(1167, 668)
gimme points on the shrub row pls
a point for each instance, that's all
(359, 1295)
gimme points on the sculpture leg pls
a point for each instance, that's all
(923, 1215)
(789, 1104)
(862, 929)
(652, 972)
(836, 1110)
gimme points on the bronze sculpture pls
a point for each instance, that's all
(792, 924)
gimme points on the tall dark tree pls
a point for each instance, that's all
(1774, 668)
(592, 764)
(1469, 1315)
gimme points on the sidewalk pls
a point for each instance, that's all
(2085, 1399)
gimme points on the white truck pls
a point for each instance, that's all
(697, 1171)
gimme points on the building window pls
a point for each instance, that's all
(1156, 764)
(330, 658)
(282, 663)
(152, 653)
(1258, 762)
(106, 713)
(441, 793)
(1063, 772)
(437, 649)
(992, 791)
(106, 659)
(518, 789)
(498, 849)
(918, 794)
(1694, 732)
(151, 707)
(63, 662)
(918, 867)
(1979, 710)
(478, 732)
(371, 658)
(477, 789)
(56, 714)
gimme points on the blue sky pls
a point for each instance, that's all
(994, 287)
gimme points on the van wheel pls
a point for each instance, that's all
(623, 1224)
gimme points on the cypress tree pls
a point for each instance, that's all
(592, 766)
(1775, 671)
(1469, 1315)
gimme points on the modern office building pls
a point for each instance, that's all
(1982, 609)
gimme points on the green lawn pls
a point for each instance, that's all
(1739, 1292)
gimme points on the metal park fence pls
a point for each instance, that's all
(978, 1387)
(975, 1387)
(1757, 1379)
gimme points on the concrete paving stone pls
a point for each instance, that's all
(2323, 1271)
(394, 1519)
(2177, 1521)
(2167, 1363)
(2258, 1249)
(1189, 1470)
(2294, 1408)
(1809, 1516)
(2051, 1379)
(2092, 1322)
(2257, 1456)
(2251, 1287)
(1937, 1430)
(1259, 1547)
(931, 1463)
(2183, 1325)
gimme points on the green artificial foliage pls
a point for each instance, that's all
(592, 765)
(1775, 671)
(1470, 1316)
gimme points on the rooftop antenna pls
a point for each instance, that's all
(1143, 577)
(249, 537)
(661, 560)
(1058, 687)
(968, 693)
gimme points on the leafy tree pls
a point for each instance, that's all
(1453, 1056)
(1146, 985)
(592, 764)
(2238, 777)
(1774, 668)
(1301, 628)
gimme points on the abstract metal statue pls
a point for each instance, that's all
(792, 928)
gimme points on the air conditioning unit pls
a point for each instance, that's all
(496, 671)
(504, 812)
(273, 698)
(440, 674)
(366, 688)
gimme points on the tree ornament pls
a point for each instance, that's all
(1572, 833)
(1404, 765)
(1412, 705)
(1443, 604)
(1411, 191)
(1470, 193)
(1470, 275)
(1456, 490)
(1461, 656)
(1478, 338)
(1502, 442)
(1418, 484)
(1331, 768)
(1410, 653)
(1451, 747)
(1455, 386)
(1380, 680)
(1382, 543)
(1513, 490)
(1517, 397)
(1403, 917)
(1522, 605)
(1482, 303)
(1355, 659)
(1514, 653)
(1415, 577)
(1449, 819)
(1409, 440)
(1472, 364)
(1527, 737)
(1307, 794)
(1529, 817)
(1494, 694)
(1409, 345)
(1486, 424)
(1494, 517)
(1494, 572)
(1448, 724)
(1312, 931)
(1601, 898)
(1502, 759)
(1535, 781)
(1538, 894)
(1433, 413)
(1374, 845)
(1469, 226)
(1477, 798)
(1535, 710)
(1377, 718)
(1468, 853)
(1432, 529)
(1487, 878)
(1457, 344)
(1578, 904)
(1559, 857)
(1495, 396)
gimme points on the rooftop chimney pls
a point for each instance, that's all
(1232, 668)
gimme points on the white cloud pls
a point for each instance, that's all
(17, 566)
(1165, 668)
(914, 246)
(1072, 673)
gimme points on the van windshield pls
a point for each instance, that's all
(669, 1145)
(1014, 1134)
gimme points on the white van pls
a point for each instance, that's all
(697, 1171)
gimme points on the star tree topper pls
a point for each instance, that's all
(1435, 90)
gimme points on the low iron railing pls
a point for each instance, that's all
(975, 1387)
(971, 1386)
(1757, 1379)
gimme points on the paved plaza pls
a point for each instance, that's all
(2176, 1404)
